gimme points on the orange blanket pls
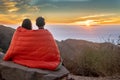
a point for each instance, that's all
(34, 48)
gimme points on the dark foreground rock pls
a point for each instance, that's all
(12, 71)
(1, 55)
(6, 34)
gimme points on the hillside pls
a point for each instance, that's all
(73, 47)
(90, 59)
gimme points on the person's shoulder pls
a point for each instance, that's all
(43, 30)
(21, 29)
(18, 28)
(47, 30)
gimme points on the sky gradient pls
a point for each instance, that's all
(79, 12)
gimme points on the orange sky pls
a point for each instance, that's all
(101, 18)
(76, 12)
(82, 20)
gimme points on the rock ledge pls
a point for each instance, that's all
(12, 71)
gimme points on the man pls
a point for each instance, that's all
(40, 22)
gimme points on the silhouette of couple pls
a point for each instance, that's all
(40, 22)
(34, 48)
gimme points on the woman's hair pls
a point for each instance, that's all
(27, 24)
(40, 22)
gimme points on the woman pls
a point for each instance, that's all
(27, 24)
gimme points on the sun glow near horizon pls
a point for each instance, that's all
(87, 23)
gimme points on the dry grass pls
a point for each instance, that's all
(100, 62)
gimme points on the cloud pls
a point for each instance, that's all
(15, 6)
(70, 0)
(99, 15)
(5, 20)
(14, 18)
(105, 18)
(48, 5)
(13, 9)
(8, 6)
(95, 17)
(43, 4)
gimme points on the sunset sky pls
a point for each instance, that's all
(79, 12)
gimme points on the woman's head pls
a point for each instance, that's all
(40, 22)
(27, 24)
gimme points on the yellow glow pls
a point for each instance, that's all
(86, 22)
(13, 9)
(14, 18)
(99, 15)
(10, 4)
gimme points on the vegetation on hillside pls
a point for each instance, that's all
(90, 59)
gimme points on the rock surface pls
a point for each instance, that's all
(12, 71)
(6, 34)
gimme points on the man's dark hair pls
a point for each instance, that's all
(27, 24)
(40, 22)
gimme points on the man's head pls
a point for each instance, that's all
(40, 22)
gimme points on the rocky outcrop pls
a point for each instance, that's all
(12, 71)
(1, 55)
(6, 34)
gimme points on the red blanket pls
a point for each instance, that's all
(34, 48)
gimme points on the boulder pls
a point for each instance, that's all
(12, 71)
(6, 34)
(1, 55)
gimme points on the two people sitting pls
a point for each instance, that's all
(27, 24)
(34, 48)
